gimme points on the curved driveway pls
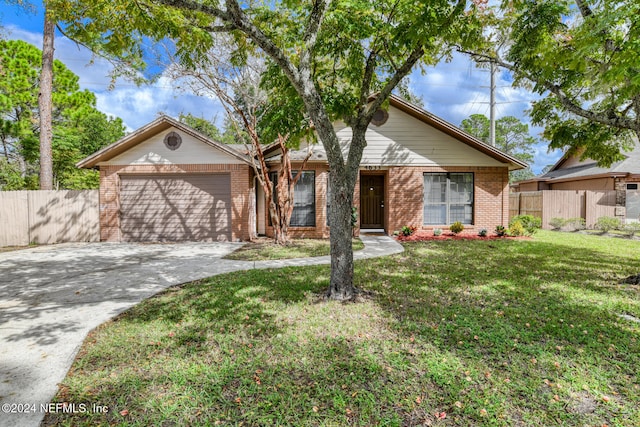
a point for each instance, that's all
(51, 297)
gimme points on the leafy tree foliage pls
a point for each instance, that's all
(326, 56)
(512, 137)
(582, 57)
(78, 128)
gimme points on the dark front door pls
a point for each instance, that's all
(371, 201)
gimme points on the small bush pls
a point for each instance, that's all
(354, 216)
(631, 228)
(408, 230)
(576, 224)
(530, 223)
(437, 231)
(557, 223)
(500, 230)
(456, 227)
(608, 223)
(517, 229)
(482, 232)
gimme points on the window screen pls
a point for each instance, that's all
(304, 199)
(448, 197)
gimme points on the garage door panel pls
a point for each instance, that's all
(176, 208)
(137, 210)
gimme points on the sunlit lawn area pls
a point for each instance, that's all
(500, 333)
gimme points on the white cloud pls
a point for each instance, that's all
(457, 89)
(135, 105)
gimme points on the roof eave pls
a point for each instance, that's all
(455, 132)
(141, 134)
(582, 178)
(119, 146)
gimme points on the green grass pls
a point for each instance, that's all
(299, 248)
(495, 333)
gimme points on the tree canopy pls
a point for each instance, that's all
(512, 137)
(79, 128)
(582, 57)
(325, 59)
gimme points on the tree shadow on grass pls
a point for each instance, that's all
(450, 322)
(545, 310)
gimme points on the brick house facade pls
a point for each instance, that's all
(416, 170)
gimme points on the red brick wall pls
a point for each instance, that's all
(406, 189)
(241, 182)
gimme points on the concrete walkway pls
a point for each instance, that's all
(51, 297)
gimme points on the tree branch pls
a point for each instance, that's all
(616, 121)
(310, 37)
(369, 71)
(195, 6)
(316, 17)
(585, 10)
(400, 73)
(238, 19)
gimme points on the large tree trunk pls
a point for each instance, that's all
(343, 182)
(45, 103)
(341, 283)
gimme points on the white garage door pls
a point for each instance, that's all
(157, 208)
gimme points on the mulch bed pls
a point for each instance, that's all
(420, 236)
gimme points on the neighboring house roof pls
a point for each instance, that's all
(589, 169)
(160, 124)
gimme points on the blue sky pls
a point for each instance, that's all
(452, 90)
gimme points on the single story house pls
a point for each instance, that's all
(576, 174)
(167, 182)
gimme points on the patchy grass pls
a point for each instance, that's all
(266, 249)
(495, 333)
(16, 248)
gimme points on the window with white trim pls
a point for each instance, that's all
(448, 197)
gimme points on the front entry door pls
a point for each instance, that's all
(371, 201)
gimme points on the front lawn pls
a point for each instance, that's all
(465, 333)
(266, 249)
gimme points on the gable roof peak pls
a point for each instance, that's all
(159, 124)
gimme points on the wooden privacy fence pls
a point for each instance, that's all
(45, 217)
(548, 204)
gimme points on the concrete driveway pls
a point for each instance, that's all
(51, 297)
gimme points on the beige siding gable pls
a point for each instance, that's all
(574, 161)
(406, 141)
(154, 152)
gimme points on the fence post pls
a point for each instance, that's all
(519, 203)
